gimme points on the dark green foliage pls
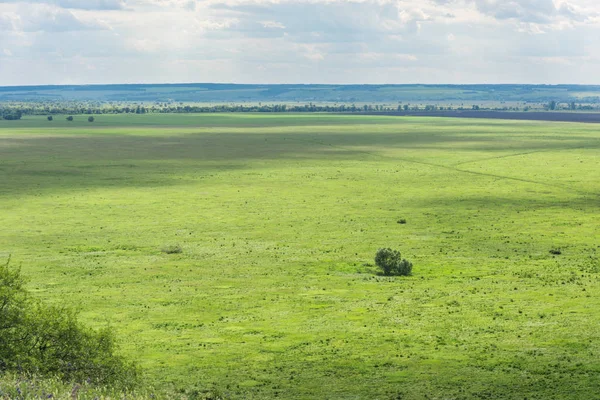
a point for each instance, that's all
(70, 118)
(391, 262)
(50, 117)
(90, 119)
(11, 115)
(556, 252)
(402, 221)
(50, 341)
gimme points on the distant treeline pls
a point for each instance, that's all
(104, 108)
(298, 93)
(10, 115)
(13, 111)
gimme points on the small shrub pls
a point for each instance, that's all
(391, 263)
(50, 118)
(556, 252)
(172, 249)
(70, 118)
(90, 119)
(402, 221)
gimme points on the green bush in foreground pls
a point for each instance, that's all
(50, 341)
(391, 263)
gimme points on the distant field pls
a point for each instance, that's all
(556, 116)
(279, 217)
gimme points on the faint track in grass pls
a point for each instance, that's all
(550, 116)
(518, 154)
(453, 167)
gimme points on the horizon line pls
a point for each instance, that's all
(295, 84)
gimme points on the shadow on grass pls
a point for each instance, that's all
(35, 163)
(513, 204)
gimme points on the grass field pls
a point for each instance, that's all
(279, 218)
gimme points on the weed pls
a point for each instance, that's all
(172, 249)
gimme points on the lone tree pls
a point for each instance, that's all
(90, 119)
(391, 263)
(50, 117)
(70, 118)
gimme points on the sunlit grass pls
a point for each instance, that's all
(278, 218)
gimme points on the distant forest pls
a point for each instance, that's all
(231, 93)
(208, 98)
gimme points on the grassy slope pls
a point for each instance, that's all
(277, 216)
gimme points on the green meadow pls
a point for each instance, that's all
(278, 218)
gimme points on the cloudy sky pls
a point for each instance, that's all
(299, 41)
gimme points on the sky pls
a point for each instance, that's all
(299, 41)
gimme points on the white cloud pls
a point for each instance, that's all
(46, 18)
(377, 41)
(541, 12)
(273, 24)
(77, 4)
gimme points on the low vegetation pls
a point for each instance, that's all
(172, 249)
(19, 386)
(50, 341)
(277, 215)
(391, 263)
